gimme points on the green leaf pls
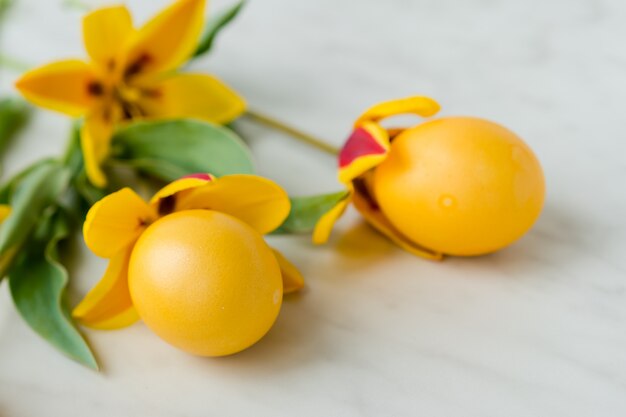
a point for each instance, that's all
(73, 156)
(37, 282)
(89, 192)
(13, 115)
(39, 189)
(158, 168)
(306, 211)
(169, 149)
(214, 25)
(8, 188)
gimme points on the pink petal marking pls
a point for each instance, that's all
(360, 143)
(200, 176)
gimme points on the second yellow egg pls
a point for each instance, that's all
(460, 185)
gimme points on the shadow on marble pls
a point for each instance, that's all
(294, 342)
(554, 242)
(360, 248)
(302, 333)
(364, 244)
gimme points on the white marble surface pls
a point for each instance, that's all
(538, 329)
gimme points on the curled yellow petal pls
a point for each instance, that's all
(325, 224)
(95, 138)
(116, 221)
(5, 210)
(419, 105)
(292, 278)
(194, 96)
(105, 31)
(63, 86)
(179, 186)
(377, 219)
(167, 40)
(367, 147)
(261, 203)
(108, 305)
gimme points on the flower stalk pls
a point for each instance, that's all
(291, 131)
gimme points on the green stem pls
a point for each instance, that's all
(292, 131)
(77, 5)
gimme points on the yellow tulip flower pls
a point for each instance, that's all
(116, 223)
(131, 75)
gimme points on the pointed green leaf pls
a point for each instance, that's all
(10, 186)
(73, 157)
(158, 168)
(89, 192)
(214, 25)
(169, 149)
(37, 282)
(37, 190)
(29, 194)
(306, 211)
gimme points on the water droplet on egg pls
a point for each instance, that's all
(446, 201)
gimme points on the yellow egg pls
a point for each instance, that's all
(205, 282)
(460, 185)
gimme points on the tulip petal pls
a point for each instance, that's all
(292, 278)
(108, 305)
(116, 221)
(257, 201)
(95, 139)
(178, 188)
(419, 105)
(167, 40)
(105, 31)
(63, 86)
(197, 96)
(374, 216)
(325, 224)
(5, 210)
(369, 143)
(366, 147)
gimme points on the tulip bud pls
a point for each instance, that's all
(451, 186)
